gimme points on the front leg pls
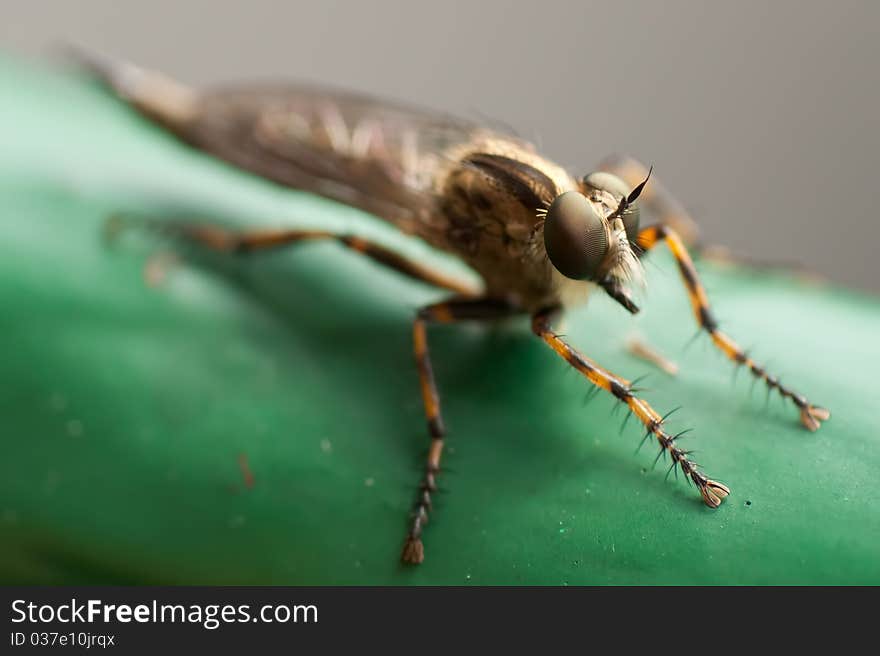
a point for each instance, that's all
(811, 415)
(713, 492)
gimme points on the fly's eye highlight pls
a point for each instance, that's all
(575, 236)
(608, 182)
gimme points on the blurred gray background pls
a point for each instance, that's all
(762, 117)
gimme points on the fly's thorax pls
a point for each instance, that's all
(493, 197)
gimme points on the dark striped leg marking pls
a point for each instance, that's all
(219, 239)
(713, 492)
(447, 312)
(811, 415)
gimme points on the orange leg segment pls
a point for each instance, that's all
(811, 415)
(216, 238)
(447, 312)
(713, 492)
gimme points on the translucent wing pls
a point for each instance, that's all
(382, 157)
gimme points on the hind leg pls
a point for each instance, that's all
(220, 239)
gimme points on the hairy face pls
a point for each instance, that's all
(589, 234)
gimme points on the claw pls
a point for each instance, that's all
(413, 551)
(714, 493)
(811, 415)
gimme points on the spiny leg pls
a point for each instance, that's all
(447, 312)
(811, 415)
(713, 492)
(220, 239)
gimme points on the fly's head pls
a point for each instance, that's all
(590, 234)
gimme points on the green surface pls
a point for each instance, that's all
(126, 408)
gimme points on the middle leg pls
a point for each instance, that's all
(455, 310)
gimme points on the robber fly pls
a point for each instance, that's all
(540, 239)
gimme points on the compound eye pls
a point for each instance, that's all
(575, 236)
(603, 181)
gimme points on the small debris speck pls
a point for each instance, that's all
(51, 482)
(326, 447)
(748, 503)
(74, 428)
(468, 577)
(369, 482)
(58, 402)
(246, 473)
